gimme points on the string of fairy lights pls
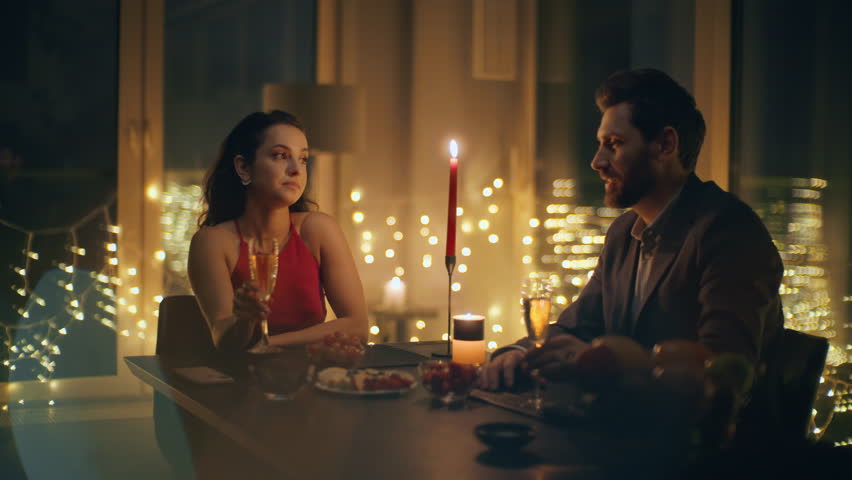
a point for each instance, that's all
(563, 244)
(64, 296)
(378, 245)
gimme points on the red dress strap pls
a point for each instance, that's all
(237, 226)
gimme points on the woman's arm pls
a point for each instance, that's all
(340, 280)
(231, 323)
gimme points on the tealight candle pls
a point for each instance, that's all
(469, 339)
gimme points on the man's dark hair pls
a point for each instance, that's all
(656, 101)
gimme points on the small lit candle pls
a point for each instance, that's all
(394, 298)
(453, 200)
(469, 339)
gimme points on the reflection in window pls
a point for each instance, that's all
(791, 162)
(58, 144)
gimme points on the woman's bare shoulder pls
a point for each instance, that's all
(221, 237)
(313, 223)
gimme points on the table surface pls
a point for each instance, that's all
(323, 435)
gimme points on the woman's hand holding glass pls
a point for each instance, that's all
(263, 263)
(249, 310)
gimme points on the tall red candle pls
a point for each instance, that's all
(451, 208)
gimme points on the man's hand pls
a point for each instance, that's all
(502, 366)
(556, 359)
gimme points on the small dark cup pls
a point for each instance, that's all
(279, 376)
(505, 436)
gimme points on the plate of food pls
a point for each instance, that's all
(367, 381)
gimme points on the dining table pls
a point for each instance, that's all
(318, 434)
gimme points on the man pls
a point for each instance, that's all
(688, 260)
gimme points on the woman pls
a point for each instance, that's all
(255, 191)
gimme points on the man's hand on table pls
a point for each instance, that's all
(556, 359)
(501, 367)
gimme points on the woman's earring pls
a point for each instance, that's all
(245, 181)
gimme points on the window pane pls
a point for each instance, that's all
(791, 150)
(58, 88)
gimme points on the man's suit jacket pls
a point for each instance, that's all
(714, 279)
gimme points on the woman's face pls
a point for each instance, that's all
(279, 172)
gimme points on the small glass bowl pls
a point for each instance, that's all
(449, 382)
(336, 350)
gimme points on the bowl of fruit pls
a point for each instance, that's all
(337, 349)
(448, 381)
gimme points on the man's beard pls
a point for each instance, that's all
(626, 190)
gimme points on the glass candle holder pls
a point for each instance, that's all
(469, 339)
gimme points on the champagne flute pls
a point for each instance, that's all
(535, 299)
(263, 263)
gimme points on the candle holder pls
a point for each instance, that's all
(450, 263)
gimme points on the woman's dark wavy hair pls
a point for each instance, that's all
(656, 101)
(224, 194)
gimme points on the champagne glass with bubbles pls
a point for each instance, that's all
(535, 300)
(263, 263)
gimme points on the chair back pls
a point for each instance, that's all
(182, 333)
(801, 360)
(182, 330)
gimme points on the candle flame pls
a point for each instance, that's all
(454, 149)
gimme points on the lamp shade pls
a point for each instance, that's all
(331, 114)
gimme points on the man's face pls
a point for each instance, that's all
(623, 159)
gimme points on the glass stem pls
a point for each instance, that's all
(264, 328)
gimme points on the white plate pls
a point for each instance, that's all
(367, 393)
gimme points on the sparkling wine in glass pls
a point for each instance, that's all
(263, 263)
(535, 299)
(537, 318)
